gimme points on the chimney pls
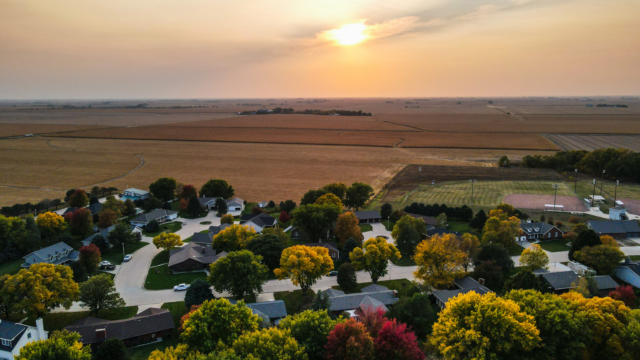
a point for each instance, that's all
(101, 334)
(481, 281)
(42, 335)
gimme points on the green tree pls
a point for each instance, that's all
(311, 329)
(79, 272)
(479, 220)
(239, 273)
(603, 258)
(347, 249)
(337, 189)
(347, 278)
(152, 226)
(164, 188)
(407, 241)
(504, 162)
(497, 253)
(79, 199)
(8, 300)
(269, 344)
(269, 247)
(311, 196)
(316, 220)
(442, 221)
(321, 302)
(304, 265)
(198, 292)
(415, 311)
(99, 293)
(152, 203)
(217, 321)
(288, 206)
(61, 345)
(112, 349)
(385, 211)
(194, 208)
(129, 208)
(409, 221)
(113, 204)
(525, 280)
(122, 234)
(585, 238)
(357, 195)
(217, 188)
(374, 257)
(221, 207)
(100, 242)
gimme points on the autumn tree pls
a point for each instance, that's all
(409, 221)
(395, 341)
(347, 279)
(284, 217)
(348, 226)
(90, 257)
(585, 238)
(603, 258)
(50, 225)
(310, 329)
(227, 219)
(609, 241)
(167, 241)
(440, 260)
(198, 292)
(235, 237)
(63, 345)
(188, 191)
(269, 247)
(115, 205)
(240, 273)
(349, 341)
(469, 244)
(337, 189)
(374, 257)
(217, 188)
(164, 188)
(625, 294)
(180, 352)
(269, 344)
(534, 257)
(279, 233)
(460, 334)
(357, 195)
(81, 222)
(107, 218)
(316, 220)
(79, 199)
(304, 265)
(129, 208)
(329, 199)
(99, 293)
(501, 230)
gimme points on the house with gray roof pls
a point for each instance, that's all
(14, 336)
(368, 217)
(274, 310)
(359, 302)
(629, 272)
(57, 254)
(235, 204)
(69, 210)
(260, 222)
(561, 281)
(214, 230)
(208, 202)
(159, 215)
(134, 194)
(95, 208)
(463, 286)
(202, 239)
(193, 257)
(103, 232)
(606, 284)
(618, 229)
(429, 220)
(532, 231)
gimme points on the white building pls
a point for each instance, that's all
(14, 337)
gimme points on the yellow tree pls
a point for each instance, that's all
(50, 224)
(408, 220)
(62, 344)
(469, 244)
(501, 230)
(534, 257)
(603, 258)
(329, 199)
(375, 257)
(440, 260)
(235, 237)
(483, 327)
(304, 265)
(167, 241)
(609, 241)
(107, 218)
(348, 226)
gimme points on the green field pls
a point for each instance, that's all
(485, 193)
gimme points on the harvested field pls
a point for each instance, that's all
(592, 142)
(22, 129)
(538, 202)
(573, 110)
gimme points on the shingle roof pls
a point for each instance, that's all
(535, 227)
(561, 280)
(104, 233)
(236, 200)
(52, 250)
(203, 254)
(9, 330)
(366, 215)
(445, 295)
(95, 208)
(263, 220)
(441, 231)
(429, 220)
(369, 303)
(333, 292)
(614, 226)
(69, 210)
(273, 309)
(204, 200)
(214, 230)
(352, 301)
(374, 288)
(467, 283)
(154, 215)
(605, 282)
(202, 238)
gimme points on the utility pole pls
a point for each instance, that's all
(593, 198)
(555, 186)
(575, 189)
(602, 183)
(472, 181)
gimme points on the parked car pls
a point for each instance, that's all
(128, 257)
(181, 287)
(105, 263)
(333, 273)
(107, 267)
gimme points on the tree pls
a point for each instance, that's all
(609, 241)
(442, 221)
(269, 344)
(79, 272)
(55, 203)
(101, 243)
(385, 211)
(107, 218)
(396, 342)
(311, 196)
(534, 257)
(81, 223)
(375, 257)
(114, 205)
(348, 227)
(8, 300)
(180, 352)
(497, 253)
(440, 260)
(217, 188)
(221, 206)
(279, 233)
(337, 189)
(217, 321)
(349, 341)
(271, 204)
(235, 237)
(112, 349)
(183, 204)
(239, 273)
(90, 257)
(625, 294)
(284, 217)
(585, 286)
(194, 208)
(129, 208)
(256, 210)
(491, 273)
(164, 188)
(408, 220)
(304, 265)
(416, 312)
(61, 345)
(167, 241)
(347, 248)
(469, 244)
(603, 258)
(152, 203)
(501, 230)
(504, 162)
(99, 293)
(79, 199)
(525, 280)
(269, 247)
(167, 206)
(152, 226)
(198, 292)
(347, 278)
(329, 199)
(585, 238)
(407, 241)
(50, 225)
(460, 334)
(227, 219)
(43, 287)
(310, 329)
(479, 220)
(315, 220)
(288, 206)
(357, 195)
(121, 234)
(188, 191)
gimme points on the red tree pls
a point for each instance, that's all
(349, 341)
(373, 319)
(256, 210)
(284, 217)
(625, 294)
(68, 217)
(396, 342)
(81, 222)
(188, 191)
(79, 199)
(90, 257)
(183, 204)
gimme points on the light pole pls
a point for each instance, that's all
(615, 196)
(602, 182)
(388, 222)
(575, 189)
(593, 198)
(555, 187)
(123, 249)
(472, 181)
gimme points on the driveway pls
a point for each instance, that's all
(378, 230)
(191, 226)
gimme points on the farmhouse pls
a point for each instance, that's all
(259, 222)
(618, 229)
(151, 325)
(331, 246)
(539, 230)
(193, 257)
(104, 233)
(57, 254)
(463, 285)
(368, 217)
(134, 194)
(14, 337)
(371, 297)
(159, 215)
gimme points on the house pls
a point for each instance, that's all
(606, 284)
(159, 215)
(208, 202)
(629, 272)
(331, 246)
(618, 213)
(136, 230)
(368, 217)
(295, 233)
(69, 210)
(151, 325)
(263, 204)
(560, 281)
(260, 221)
(618, 229)
(539, 231)
(463, 286)
(371, 297)
(214, 230)
(202, 239)
(134, 194)
(104, 233)
(14, 337)
(57, 254)
(193, 257)
(441, 232)
(235, 204)
(429, 220)
(274, 310)
(95, 208)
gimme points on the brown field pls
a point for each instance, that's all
(592, 142)
(22, 129)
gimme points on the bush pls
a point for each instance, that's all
(256, 210)
(271, 204)
(152, 226)
(112, 349)
(226, 219)
(574, 220)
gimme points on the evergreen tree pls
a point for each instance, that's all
(194, 208)
(112, 349)
(198, 292)
(347, 278)
(347, 249)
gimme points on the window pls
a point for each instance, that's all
(6, 342)
(153, 336)
(549, 235)
(29, 335)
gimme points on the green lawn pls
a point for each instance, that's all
(366, 227)
(114, 255)
(389, 225)
(459, 226)
(160, 278)
(397, 285)
(59, 320)
(516, 250)
(555, 245)
(635, 257)
(405, 261)
(205, 223)
(161, 258)
(165, 228)
(295, 301)
(11, 267)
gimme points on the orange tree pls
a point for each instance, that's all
(348, 226)
(304, 265)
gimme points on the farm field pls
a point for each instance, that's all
(592, 142)
(22, 129)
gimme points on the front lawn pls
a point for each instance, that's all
(366, 227)
(397, 285)
(404, 261)
(114, 254)
(160, 278)
(555, 245)
(161, 258)
(459, 226)
(164, 228)
(295, 301)
(516, 250)
(60, 320)
(11, 267)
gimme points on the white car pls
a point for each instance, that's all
(127, 258)
(181, 287)
(105, 263)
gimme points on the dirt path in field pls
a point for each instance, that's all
(121, 176)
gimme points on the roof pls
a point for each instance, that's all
(353, 301)
(52, 250)
(366, 215)
(441, 231)
(370, 303)
(333, 292)
(614, 226)
(445, 295)
(95, 208)
(273, 309)
(149, 321)
(374, 288)
(429, 220)
(104, 233)
(236, 200)
(137, 192)
(9, 330)
(205, 200)
(199, 253)
(202, 238)
(605, 282)
(262, 220)
(214, 230)
(329, 245)
(467, 283)
(265, 203)
(561, 280)
(535, 227)
(154, 215)
(69, 210)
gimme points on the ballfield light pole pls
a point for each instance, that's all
(472, 181)
(593, 198)
(615, 196)
(602, 182)
(575, 188)
(555, 187)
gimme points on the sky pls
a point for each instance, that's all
(142, 49)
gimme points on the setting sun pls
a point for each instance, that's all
(349, 34)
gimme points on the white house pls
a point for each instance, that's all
(159, 215)
(235, 204)
(14, 337)
(263, 204)
(134, 194)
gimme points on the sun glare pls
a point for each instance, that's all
(349, 34)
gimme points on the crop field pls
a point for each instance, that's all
(22, 129)
(592, 142)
